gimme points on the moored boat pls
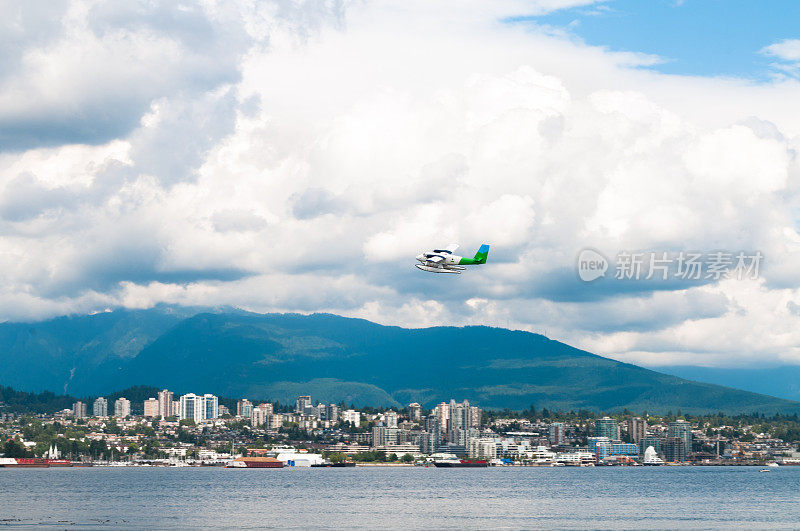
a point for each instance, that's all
(23, 462)
(342, 464)
(255, 462)
(460, 463)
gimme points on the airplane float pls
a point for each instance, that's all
(444, 261)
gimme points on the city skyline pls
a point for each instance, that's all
(451, 428)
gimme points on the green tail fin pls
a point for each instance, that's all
(482, 254)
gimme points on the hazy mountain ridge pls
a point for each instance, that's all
(278, 356)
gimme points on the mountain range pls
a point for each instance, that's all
(280, 356)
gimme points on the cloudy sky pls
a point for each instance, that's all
(295, 156)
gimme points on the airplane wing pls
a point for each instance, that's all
(434, 259)
(452, 247)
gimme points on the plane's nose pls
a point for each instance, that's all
(421, 257)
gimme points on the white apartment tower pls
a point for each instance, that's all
(165, 400)
(122, 408)
(151, 408)
(100, 407)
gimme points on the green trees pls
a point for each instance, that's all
(376, 456)
(14, 448)
(335, 457)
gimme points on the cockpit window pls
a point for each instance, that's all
(442, 251)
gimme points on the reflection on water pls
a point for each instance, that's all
(665, 497)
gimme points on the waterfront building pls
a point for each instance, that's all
(429, 442)
(556, 434)
(151, 407)
(594, 441)
(100, 407)
(383, 435)
(674, 449)
(122, 408)
(79, 410)
(457, 436)
(303, 403)
(681, 428)
(379, 436)
(606, 427)
(578, 457)
(414, 412)
(481, 448)
(400, 449)
(647, 441)
(244, 408)
(637, 429)
(352, 416)
(606, 449)
(541, 455)
(165, 400)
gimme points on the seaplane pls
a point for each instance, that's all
(444, 261)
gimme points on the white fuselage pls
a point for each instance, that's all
(438, 261)
(447, 257)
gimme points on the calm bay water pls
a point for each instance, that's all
(643, 497)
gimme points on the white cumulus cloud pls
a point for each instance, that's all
(296, 156)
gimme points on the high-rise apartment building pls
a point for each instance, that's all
(122, 408)
(273, 421)
(414, 412)
(151, 408)
(432, 436)
(79, 410)
(647, 441)
(165, 401)
(260, 415)
(475, 417)
(682, 429)
(556, 434)
(481, 448)
(606, 427)
(257, 417)
(383, 435)
(391, 419)
(459, 416)
(100, 407)
(244, 408)
(192, 407)
(637, 429)
(303, 402)
(442, 412)
(332, 413)
(198, 408)
(211, 406)
(674, 449)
